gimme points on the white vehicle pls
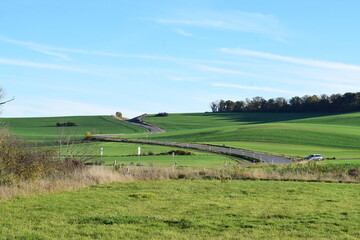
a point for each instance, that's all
(316, 157)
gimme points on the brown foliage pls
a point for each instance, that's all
(21, 160)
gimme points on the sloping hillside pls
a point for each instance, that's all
(45, 128)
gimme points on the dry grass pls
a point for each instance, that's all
(98, 175)
(84, 178)
(67, 182)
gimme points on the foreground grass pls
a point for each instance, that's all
(185, 209)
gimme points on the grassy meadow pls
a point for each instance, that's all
(183, 209)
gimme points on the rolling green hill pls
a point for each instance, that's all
(43, 129)
(291, 134)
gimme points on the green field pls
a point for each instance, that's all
(291, 149)
(43, 129)
(294, 135)
(184, 209)
(289, 134)
(349, 163)
(277, 133)
(126, 153)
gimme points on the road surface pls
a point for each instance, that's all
(265, 158)
(137, 121)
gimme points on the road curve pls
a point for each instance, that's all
(137, 121)
(267, 159)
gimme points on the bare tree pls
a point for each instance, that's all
(2, 96)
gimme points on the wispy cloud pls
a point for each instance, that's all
(186, 79)
(307, 62)
(265, 89)
(37, 47)
(59, 52)
(40, 65)
(257, 23)
(183, 33)
(223, 70)
(50, 53)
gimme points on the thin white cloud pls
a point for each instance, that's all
(223, 70)
(265, 89)
(36, 47)
(21, 63)
(183, 33)
(50, 53)
(257, 23)
(58, 51)
(307, 62)
(46, 49)
(186, 79)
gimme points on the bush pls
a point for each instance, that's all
(354, 172)
(179, 152)
(66, 124)
(163, 114)
(21, 160)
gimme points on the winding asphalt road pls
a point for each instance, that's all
(265, 158)
(137, 121)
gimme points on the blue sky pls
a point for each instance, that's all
(77, 57)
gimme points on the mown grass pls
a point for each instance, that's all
(183, 209)
(153, 155)
(44, 129)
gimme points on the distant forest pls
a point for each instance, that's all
(347, 102)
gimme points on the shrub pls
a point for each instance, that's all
(162, 114)
(179, 152)
(66, 124)
(354, 172)
(181, 175)
(21, 160)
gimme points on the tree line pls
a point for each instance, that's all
(347, 102)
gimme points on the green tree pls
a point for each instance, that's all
(119, 114)
(214, 106)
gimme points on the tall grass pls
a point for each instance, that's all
(98, 175)
(86, 177)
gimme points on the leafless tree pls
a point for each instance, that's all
(2, 96)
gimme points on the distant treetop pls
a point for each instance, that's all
(347, 102)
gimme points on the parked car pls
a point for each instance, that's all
(316, 157)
